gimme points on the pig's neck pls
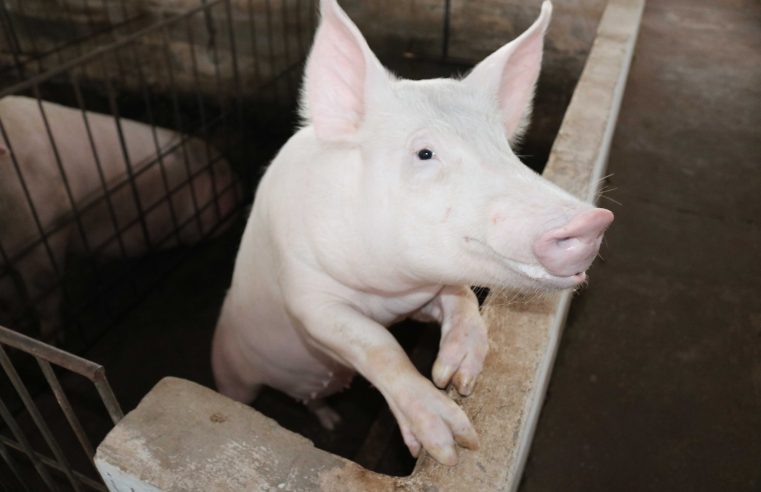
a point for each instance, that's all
(334, 221)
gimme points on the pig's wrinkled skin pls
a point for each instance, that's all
(354, 228)
(34, 274)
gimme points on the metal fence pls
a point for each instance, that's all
(50, 470)
(196, 80)
(38, 35)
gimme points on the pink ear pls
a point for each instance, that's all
(511, 73)
(340, 72)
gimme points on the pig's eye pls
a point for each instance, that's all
(425, 154)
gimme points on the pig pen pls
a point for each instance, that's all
(180, 435)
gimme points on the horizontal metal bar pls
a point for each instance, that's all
(71, 362)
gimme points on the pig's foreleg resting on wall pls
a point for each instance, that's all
(426, 416)
(464, 342)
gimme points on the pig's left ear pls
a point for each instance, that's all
(342, 74)
(510, 73)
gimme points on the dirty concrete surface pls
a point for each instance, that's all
(657, 383)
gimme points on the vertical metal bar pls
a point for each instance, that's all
(34, 412)
(62, 171)
(223, 115)
(199, 99)
(254, 45)
(11, 462)
(286, 51)
(12, 38)
(107, 396)
(66, 407)
(179, 126)
(159, 157)
(30, 37)
(99, 166)
(299, 33)
(234, 54)
(313, 17)
(88, 14)
(70, 20)
(271, 43)
(128, 164)
(445, 33)
(284, 21)
(7, 417)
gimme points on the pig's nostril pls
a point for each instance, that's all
(569, 250)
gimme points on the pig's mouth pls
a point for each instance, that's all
(533, 272)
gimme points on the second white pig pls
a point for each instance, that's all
(46, 147)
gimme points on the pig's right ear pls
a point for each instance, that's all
(511, 72)
(341, 73)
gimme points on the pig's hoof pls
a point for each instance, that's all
(461, 356)
(327, 417)
(429, 419)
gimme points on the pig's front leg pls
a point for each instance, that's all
(464, 342)
(426, 416)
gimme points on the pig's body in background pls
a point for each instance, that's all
(391, 201)
(106, 224)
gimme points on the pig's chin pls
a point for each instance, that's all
(534, 273)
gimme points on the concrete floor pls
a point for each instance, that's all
(657, 384)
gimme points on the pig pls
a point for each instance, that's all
(87, 219)
(392, 198)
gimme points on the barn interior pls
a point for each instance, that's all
(658, 369)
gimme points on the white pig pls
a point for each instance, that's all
(105, 224)
(387, 204)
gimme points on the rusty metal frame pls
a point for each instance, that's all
(45, 355)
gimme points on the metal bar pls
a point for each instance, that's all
(98, 164)
(68, 410)
(254, 44)
(178, 119)
(107, 396)
(11, 462)
(128, 163)
(34, 412)
(12, 38)
(61, 170)
(159, 159)
(43, 351)
(445, 33)
(26, 446)
(83, 479)
(271, 44)
(223, 115)
(234, 55)
(30, 202)
(48, 74)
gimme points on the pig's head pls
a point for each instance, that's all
(447, 198)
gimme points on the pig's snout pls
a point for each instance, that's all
(570, 249)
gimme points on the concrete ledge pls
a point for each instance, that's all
(185, 437)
